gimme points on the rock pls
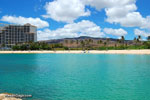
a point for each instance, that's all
(3, 97)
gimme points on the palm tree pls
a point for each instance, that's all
(107, 39)
(135, 39)
(82, 43)
(71, 42)
(99, 42)
(115, 45)
(148, 38)
(77, 42)
(66, 41)
(118, 41)
(139, 37)
(90, 40)
(105, 43)
(3, 45)
(122, 38)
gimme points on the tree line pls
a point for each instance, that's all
(85, 45)
(38, 46)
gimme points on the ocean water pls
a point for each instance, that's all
(76, 76)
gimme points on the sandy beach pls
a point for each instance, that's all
(81, 52)
(3, 96)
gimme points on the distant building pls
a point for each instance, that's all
(15, 34)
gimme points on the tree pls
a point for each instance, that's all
(24, 47)
(87, 43)
(82, 43)
(139, 37)
(71, 42)
(107, 39)
(66, 41)
(44, 46)
(16, 47)
(34, 46)
(90, 40)
(148, 38)
(3, 45)
(122, 38)
(105, 43)
(99, 42)
(135, 39)
(118, 41)
(77, 42)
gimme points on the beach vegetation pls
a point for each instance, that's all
(87, 44)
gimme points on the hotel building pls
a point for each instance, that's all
(11, 35)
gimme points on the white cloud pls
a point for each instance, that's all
(115, 32)
(143, 33)
(133, 19)
(121, 12)
(127, 16)
(83, 28)
(70, 10)
(146, 23)
(65, 10)
(22, 20)
(100, 4)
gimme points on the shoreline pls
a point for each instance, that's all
(7, 96)
(80, 52)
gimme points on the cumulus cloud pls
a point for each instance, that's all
(120, 11)
(101, 4)
(133, 19)
(83, 28)
(123, 13)
(127, 16)
(69, 10)
(143, 33)
(22, 20)
(115, 32)
(65, 10)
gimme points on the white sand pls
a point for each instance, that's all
(79, 51)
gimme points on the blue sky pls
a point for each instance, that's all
(73, 18)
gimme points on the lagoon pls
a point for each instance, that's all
(76, 76)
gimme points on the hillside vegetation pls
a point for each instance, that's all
(85, 43)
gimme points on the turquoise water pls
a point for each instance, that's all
(76, 76)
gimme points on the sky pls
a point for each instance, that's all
(57, 19)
